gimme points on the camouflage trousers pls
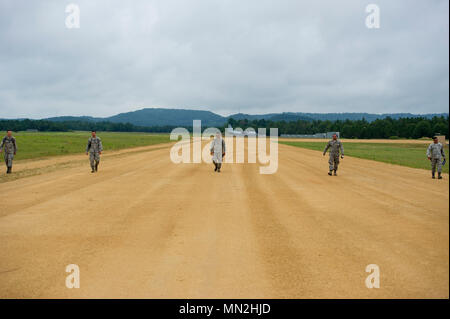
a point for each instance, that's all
(436, 163)
(334, 162)
(94, 157)
(8, 159)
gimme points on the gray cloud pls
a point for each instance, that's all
(222, 55)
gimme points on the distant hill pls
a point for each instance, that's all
(73, 118)
(369, 117)
(288, 117)
(158, 116)
(154, 117)
(292, 116)
(150, 117)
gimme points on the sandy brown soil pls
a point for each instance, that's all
(145, 227)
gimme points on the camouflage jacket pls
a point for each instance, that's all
(94, 145)
(217, 146)
(334, 146)
(9, 144)
(435, 150)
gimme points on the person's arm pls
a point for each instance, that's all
(342, 149)
(15, 146)
(100, 145)
(442, 151)
(212, 146)
(223, 147)
(429, 151)
(88, 147)
(326, 148)
(1, 145)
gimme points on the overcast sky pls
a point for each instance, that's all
(226, 56)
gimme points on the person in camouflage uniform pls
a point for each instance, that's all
(9, 144)
(435, 153)
(217, 151)
(94, 149)
(335, 146)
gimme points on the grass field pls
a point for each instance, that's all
(45, 144)
(407, 154)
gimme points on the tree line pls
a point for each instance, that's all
(65, 126)
(380, 128)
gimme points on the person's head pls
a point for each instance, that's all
(435, 139)
(218, 135)
(334, 136)
(93, 133)
(9, 133)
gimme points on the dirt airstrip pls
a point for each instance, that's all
(144, 227)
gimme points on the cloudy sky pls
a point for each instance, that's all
(226, 56)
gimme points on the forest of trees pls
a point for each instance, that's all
(64, 126)
(380, 128)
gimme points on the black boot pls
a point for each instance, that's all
(330, 173)
(335, 174)
(432, 175)
(219, 165)
(8, 171)
(215, 166)
(92, 169)
(439, 176)
(96, 166)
